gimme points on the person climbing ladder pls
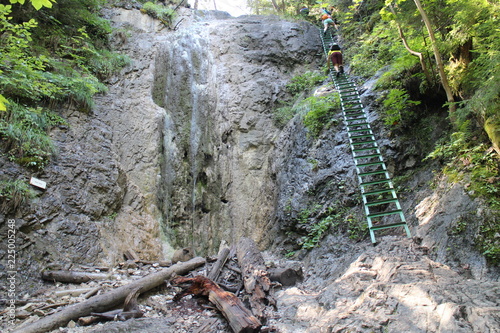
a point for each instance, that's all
(335, 57)
(328, 19)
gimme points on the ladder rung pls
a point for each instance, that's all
(364, 149)
(351, 120)
(369, 164)
(360, 130)
(391, 212)
(381, 191)
(356, 114)
(364, 143)
(352, 108)
(389, 225)
(360, 124)
(376, 182)
(361, 136)
(368, 156)
(381, 202)
(378, 172)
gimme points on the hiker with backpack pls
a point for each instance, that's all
(335, 57)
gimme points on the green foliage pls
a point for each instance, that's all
(32, 78)
(304, 82)
(317, 226)
(14, 194)
(318, 231)
(56, 56)
(3, 103)
(397, 107)
(459, 227)
(163, 13)
(374, 50)
(38, 4)
(320, 111)
(357, 230)
(282, 115)
(477, 164)
(488, 241)
(298, 86)
(24, 132)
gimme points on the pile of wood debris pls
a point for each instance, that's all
(230, 293)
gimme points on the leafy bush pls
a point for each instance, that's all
(32, 78)
(320, 112)
(478, 164)
(163, 13)
(47, 60)
(397, 107)
(282, 115)
(14, 194)
(24, 131)
(304, 82)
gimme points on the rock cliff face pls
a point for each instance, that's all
(182, 151)
(216, 83)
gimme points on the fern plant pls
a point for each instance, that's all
(163, 13)
(320, 113)
(397, 107)
(24, 131)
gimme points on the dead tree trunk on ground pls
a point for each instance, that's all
(255, 276)
(239, 317)
(108, 300)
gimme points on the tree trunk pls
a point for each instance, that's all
(108, 300)
(276, 7)
(439, 62)
(407, 47)
(239, 317)
(255, 276)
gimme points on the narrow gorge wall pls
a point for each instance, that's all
(199, 102)
(218, 83)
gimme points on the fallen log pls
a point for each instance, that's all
(130, 309)
(108, 300)
(255, 276)
(239, 317)
(72, 276)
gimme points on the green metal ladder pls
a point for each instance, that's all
(377, 189)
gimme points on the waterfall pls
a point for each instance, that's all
(180, 87)
(194, 142)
